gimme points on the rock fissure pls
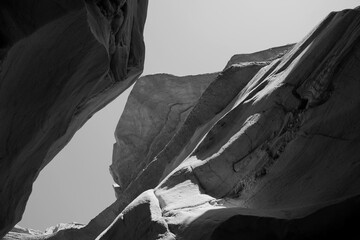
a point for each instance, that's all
(267, 153)
(311, 134)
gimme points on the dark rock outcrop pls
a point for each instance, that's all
(20, 18)
(61, 61)
(271, 147)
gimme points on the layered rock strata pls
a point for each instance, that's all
(61, 61)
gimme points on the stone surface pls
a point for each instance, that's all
(146, 121)
(149, 115)
(20, 18)
(266, 149)
(158, 106)
(61, 61)
(155, 109)
(269, 151)
(265, 55)
(30, 234)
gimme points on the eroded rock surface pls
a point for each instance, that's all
(61, 61)
(30, 234)
(146, 120)
(270, 148)
(155, 109)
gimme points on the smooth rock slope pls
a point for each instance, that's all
(61, 61)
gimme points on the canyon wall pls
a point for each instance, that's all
(61, 61)
(265, 149)
(268, 151)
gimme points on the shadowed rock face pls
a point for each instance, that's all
(20, 18)
(269, 151)
(61, 61)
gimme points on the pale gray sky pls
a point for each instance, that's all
(182, 37)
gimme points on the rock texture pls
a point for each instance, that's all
(30, 234)
(156, 108)
(150, 120)
(61, 61)
(20, 18)
(266, 149)
(269, 151)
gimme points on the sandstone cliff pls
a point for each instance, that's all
(61, 61)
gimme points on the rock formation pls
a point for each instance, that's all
(151, 120)
(156, 108)
(25, 233)
(61, 61)
(269, 151)
(266, 149)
